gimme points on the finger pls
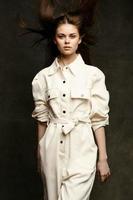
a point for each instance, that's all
(108, 174)
(105, 177)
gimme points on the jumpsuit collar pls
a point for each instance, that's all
(73, 66)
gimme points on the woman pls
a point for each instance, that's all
(71, 103)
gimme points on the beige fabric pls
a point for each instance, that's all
(72, 101)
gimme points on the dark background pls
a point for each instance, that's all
(19, 62)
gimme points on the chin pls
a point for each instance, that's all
(68, 53)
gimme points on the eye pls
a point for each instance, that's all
(60, 36)
(73, 36)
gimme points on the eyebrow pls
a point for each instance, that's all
(69, 34)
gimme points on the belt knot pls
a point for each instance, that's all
(68, 124)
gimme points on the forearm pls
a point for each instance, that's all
(41, 127)
(101, 143)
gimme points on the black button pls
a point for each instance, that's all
(66, 67)
(64, 95)
(64, 111)
(62, 126)
(48, 96)
(61, 141)
(64, 81)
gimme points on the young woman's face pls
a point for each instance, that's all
(67, 39)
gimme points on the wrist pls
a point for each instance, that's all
(102, 161)
(103, 158)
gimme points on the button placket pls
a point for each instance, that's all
(61, 141)
(64, 97)
(62, 144)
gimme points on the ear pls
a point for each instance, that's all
(54, 40)
(80, 40)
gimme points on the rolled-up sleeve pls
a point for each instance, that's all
(40, 111)
(99, 102)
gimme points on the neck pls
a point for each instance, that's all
(66, 60)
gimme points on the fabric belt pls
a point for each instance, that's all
(68, 125)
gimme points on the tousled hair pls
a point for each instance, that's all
(83, 17)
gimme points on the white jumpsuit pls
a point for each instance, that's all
(73, 101)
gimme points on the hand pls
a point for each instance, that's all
(38, 159)
(103, 170)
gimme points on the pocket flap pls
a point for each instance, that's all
(82, 94)
(52, 93)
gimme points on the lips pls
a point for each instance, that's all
(67, 47)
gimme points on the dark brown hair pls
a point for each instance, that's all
(82, 17)
(73, 18)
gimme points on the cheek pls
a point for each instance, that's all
(76, 43)
(59, 43)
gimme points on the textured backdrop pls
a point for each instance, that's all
(19, 62)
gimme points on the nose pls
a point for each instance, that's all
(67, 41)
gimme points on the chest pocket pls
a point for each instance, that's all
(80, 93)
(51, 94)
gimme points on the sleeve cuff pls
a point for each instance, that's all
(40, 113)
(97, 125)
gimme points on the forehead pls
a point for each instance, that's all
(67, 29)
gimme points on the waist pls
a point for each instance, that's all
(68, 125)
(66, 121)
